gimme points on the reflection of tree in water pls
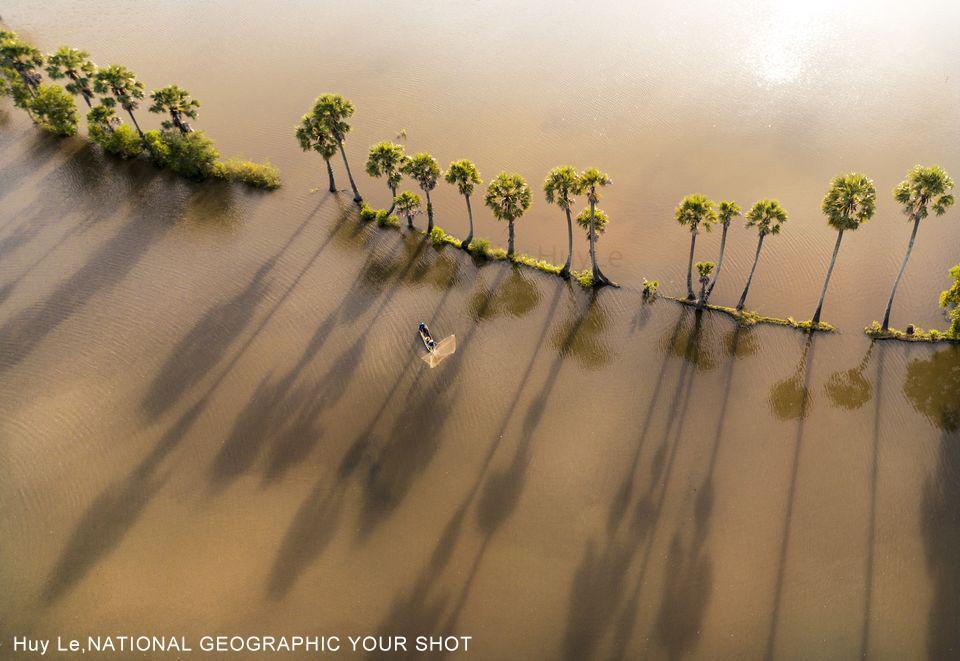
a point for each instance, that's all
(516, 297)
(581, 336)
(790, 398)
(410, 266)
(741, 342)
(689, 344)
(849, 389)
(933, 387)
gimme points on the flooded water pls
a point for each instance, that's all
(213, 418)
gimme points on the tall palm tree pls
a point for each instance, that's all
(560, 185)
(312, 135)
(727, 210)
(124, 88)
(704, 269)
(848, 204)
(332, 111)
(692, 212)
(508, 197)
(767, 216)
(923, 189)
(590, 182)
(177, 102)
(407, 204)
(74, 64)
(424, 169)
(23, 58)
(466, 176)
(594, 220)
(386, 159)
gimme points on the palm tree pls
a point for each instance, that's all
(424, 169)
(312, 135)
(23, 58)
(848, 204)
(694, 210)
(768, 217)
(590, 182)
(177, 102)
(922, 188)
(386, 159)
(594, 220)
(407, 204)
(124, 87)
(559, 186)
(704, 269)
(508, 196)
(332, 112)
(465, 175)
(950, 302)
(74, 64)
(727, 210)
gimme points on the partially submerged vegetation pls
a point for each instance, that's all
(949, 301)
(178, 147)
(751, 318)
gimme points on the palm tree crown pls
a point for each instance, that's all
(727, 210)
(74, 64)
(333, 111)
(177, 102)
(595, 219)
(695, 210)
(424, 169)
(560, 186)
(767, 216)
(850, 201)
(923, 186)
(311, 134)
(121, 83)
(387, 159)
(407, 204)
(591, 181)
(21, 57)
(464, 175)
(508, 196)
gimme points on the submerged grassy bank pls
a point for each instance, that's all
(912, 334)
(751, 318)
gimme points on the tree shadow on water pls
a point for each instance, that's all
(790, 399)
(933, 387)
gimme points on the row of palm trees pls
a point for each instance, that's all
(117, 85)
(508, 196)
(850, 201)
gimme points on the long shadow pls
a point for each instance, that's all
(107, 266)
(599, 582)
(421, 609)
(204, 345)
(318, 517)
(44, 148)
(688, 583)
(790, 399)
(933, 387)
(649, 507)
(111, 515)
(872, 517)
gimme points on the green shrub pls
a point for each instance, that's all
(479, 246)
(584, 277)
(55, 110)
(258, 175)
(367, 213)
(159, 151)
(122, 141)
(191, 155)
(385, 219)
(650, 289)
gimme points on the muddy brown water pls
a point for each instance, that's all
(213, 418)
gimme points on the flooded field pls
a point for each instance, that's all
(214, 419)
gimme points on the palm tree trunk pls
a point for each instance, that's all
(333, 186)
(693, 243)
(723, 243)
(823, 294)
(746, 287)
(702, 301)
(134, 120)
(896, 283)
(510, 240)
(410, 220)
(565, 271)
(465, 244)
(598, 277)
(356, 194)
(393, 196)
(429, 211)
